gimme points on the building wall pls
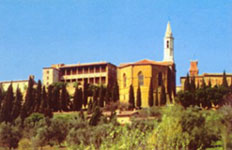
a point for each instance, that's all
(22, 85)
(50, 75)
(149, 72)
(215, 79)
(95, 73)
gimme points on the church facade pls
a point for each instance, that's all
(145, 72)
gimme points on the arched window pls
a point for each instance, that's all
(140, 78)
(160, 79)
(124, 80)
(167, 44)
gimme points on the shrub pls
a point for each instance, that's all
(9, 135)
(181, 129)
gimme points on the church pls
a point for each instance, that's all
(161, 74)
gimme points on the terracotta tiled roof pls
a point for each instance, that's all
(210, 75)
(147, 62)
(58, 66)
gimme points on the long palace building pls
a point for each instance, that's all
(93, 73)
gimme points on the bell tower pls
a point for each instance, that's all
(168, 45)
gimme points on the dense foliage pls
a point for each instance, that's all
(204, 96)
(170, 127)
(32, 124)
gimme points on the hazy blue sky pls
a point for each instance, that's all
(37, 33)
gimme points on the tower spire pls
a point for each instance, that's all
(168, 30)
(168, 44)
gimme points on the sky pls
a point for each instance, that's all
(38, 33)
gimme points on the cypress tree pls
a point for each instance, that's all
(90, 106)
(29, 99)
(131, 98)
(209, 84)
(115, 95)
(17, 104)
(56, 97)
(85, 93)
(50, 97)
(45, 109)
(77, 100)
(28, 106)
(44, 103)
(95, 97)
(198, 85)
(157, 101)
(150, 95)
(6, 111)
(224, 81)
(203, 84)
(101, 97)
(163, 97)
(1, 97)
(139, 101)
(187, 83)
(64, 99)
(108, 95)
(192, 85)
(80, 99)
(38, 96)
(96, 116)
(231, 84)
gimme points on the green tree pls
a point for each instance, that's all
(101, 97)
(44, 103)
(150, 95)
(95, 97)
(80, 97)
(6, 111)
(30, 98)
(56, 98)
(209, 84)
(115, 95)
(38, 96)
(90, 106)
(157, 101)
(107, 95)
(95, 118)
(224, 81)
(50, 97)
(192, 84)
(139, 101)
(185, 98)
(187, 83)
(77, 100)
(85, 93)
(163, 97)
(189, 128)
(64, 98)
(1, 97)
(9, 136)
(198, 85)
(131, 98)
(17, 104)
(203, 85)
